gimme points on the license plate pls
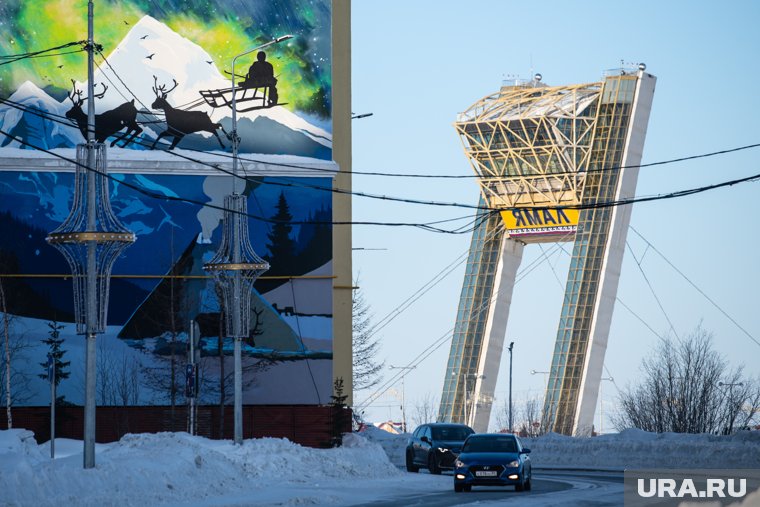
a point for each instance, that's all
(485, 473)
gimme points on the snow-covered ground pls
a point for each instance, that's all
(177, 469)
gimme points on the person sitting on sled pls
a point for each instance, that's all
(260, 74)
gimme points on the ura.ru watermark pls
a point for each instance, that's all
(671, 487)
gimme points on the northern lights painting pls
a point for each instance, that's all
(184, 47)
(155, 57)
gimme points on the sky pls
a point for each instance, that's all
(415, 65)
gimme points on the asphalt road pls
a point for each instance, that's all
(582, 489)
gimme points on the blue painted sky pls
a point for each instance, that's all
(417, 64)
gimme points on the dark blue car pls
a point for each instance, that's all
(492, 460)
(435, 446)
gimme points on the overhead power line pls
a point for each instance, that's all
(596, 205)
(697, 288)
(430, 226)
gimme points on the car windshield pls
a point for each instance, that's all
(491, 444)
(451, 433)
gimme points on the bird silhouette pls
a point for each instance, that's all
(60, 66)
(143, 37)
(125, 22)
(150, 57)
(209, 62)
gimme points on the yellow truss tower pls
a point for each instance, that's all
(550, 161)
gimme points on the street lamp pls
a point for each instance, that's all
(511, 344)
(236, 266)
(465, 405)
(235, 138)
(601, 403)
(403, 401)
(545, 373)
(91, 239)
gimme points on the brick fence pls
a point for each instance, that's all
(308, 425)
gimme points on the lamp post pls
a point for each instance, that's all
(235, 138)
(467, 411)
(546, 378)
(601, 403)
(236, 265)
(403, 400)
(511, 344)
(91, 239)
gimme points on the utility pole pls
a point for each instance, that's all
(511, 344)
(403, 399)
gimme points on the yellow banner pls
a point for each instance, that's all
(546, 220)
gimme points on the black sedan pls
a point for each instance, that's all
(435, 446)
(493, 460)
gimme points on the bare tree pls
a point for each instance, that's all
(424, 410)
(526, 417)
(118, 377)
(15, 379)
(688, 387)
(7, 369)
(366, 366)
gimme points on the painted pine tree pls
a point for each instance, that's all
(54, 343)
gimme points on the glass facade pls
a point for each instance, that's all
(472, 314)
(537, 148)
(589, 250)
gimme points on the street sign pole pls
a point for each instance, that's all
(51, 378)
(192, 387)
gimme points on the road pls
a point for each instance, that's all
(550, 487)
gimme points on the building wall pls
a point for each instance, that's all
(343, 282)
(293, 150)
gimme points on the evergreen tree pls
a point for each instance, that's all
(340, 416)
(54, 343)
(282, 248)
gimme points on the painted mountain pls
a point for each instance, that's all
(151, 58)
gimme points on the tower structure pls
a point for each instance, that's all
(551, 160)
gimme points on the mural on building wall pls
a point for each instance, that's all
(162, 95)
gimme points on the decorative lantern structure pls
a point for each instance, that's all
(91, 238)
(235, 267)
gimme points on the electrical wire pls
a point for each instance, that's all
(163, 197)
(721, 310)
(651, 289)
(595, 205)
(34, 54)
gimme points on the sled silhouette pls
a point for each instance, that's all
(248, 98)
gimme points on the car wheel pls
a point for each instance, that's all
(468, 487)
(458, 488)
(433, 464)
(410, 466)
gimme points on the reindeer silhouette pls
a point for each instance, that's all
(108, 123)
(179, 122)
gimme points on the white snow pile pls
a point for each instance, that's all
(394, 445)
(177, 468)
(634, 448)
(629, 449)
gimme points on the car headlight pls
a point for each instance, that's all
(513, 464)
(459, 464)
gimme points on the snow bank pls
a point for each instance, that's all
(635, 448)
(176, 468)
(628, 449)
(393, 445)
